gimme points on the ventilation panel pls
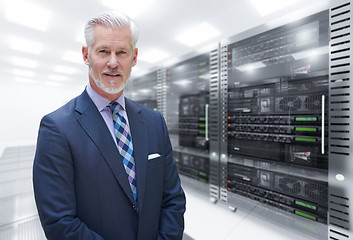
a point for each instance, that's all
(340, 121)
(223, 116)
(161, 91)
(214, 124)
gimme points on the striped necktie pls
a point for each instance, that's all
(125, 147)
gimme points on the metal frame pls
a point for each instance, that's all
(340, 121)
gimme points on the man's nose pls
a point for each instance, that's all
(113, 61)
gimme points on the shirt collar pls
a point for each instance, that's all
(101, 102)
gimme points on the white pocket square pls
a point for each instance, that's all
(153, 156)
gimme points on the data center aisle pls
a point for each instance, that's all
(204, 220)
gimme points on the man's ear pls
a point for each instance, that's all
(85, 55)
(134, 60)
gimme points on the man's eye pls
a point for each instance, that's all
(122, 52)
(103, 51)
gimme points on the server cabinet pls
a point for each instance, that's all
(275, 134)
(145, 90)
(187, 116)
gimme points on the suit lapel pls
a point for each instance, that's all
(93, 124)
(139, 140)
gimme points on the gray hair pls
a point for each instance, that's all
(113, 20)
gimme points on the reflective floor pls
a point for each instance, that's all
(18, 214)
(203, 220)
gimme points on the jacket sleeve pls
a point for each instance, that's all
(53, 182)
(171, 224)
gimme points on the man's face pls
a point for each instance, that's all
(110, 60)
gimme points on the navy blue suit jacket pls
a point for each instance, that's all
(80, 184)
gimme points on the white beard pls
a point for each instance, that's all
(112, 89)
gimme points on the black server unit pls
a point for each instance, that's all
(187, 102)
(144, 90)
(276, 137)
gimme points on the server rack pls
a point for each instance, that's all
(274, 98)
(187, 116)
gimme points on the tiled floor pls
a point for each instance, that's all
(203, 220)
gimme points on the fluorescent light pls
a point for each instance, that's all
(132, 8)
(153, 56)
(56, 77)
(198, 34)
(73, 56)
(250, 66)
(311, 53)
(24, 80)
(25, 45)
(27, 13)
(23, 73)
(270, 6)
(65, 69)
(24, 62)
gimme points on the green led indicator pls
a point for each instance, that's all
(305, 215)
(306, 129)
(202, 132)
(202, 180)
(202, 64)
(306, 119)
(202, 119)
(202, 174)
(302, 139)
(202, 70)
(305, 205)
(202, 125)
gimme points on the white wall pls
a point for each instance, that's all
(22, 107)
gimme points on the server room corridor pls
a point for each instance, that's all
(256, 96)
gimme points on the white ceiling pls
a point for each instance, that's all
(160, 22)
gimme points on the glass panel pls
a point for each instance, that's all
(187, 115)
(277, 117)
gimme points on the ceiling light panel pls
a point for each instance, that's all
(198, 34)
(25, 45)
(23, 73)
(270, 6)
(23, 62)
(153, 56)
(27, 13)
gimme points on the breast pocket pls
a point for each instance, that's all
(155, 162)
